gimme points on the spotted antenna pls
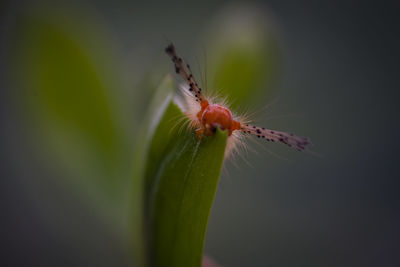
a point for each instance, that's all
(289, 139)
(185, 72)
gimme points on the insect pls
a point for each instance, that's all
(206, 114)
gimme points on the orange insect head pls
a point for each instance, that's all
(213, 116)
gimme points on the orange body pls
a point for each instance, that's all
(212, 116)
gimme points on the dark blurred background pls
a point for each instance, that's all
(65, 192)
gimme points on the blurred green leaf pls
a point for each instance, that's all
(241, 73)
(244, 55)
(181, 179)
(66, 98)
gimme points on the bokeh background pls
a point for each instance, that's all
(77, 77)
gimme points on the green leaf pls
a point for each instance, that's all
(160, 101)
(181, 179)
